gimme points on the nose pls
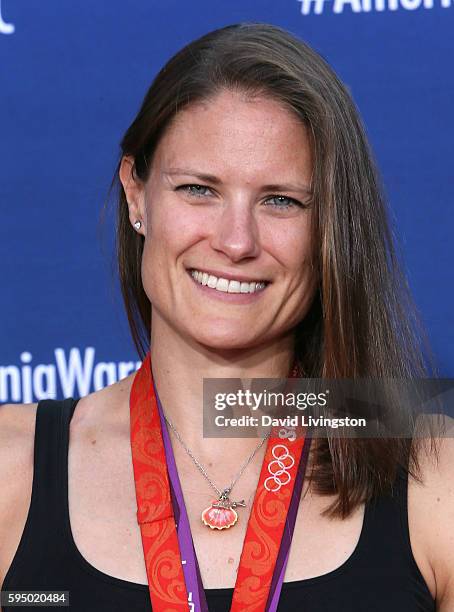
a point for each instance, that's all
(236, 233)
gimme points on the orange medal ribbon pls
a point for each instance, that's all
(256, 576)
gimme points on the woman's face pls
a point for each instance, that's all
(227, 252)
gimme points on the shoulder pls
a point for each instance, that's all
(17, 430)
(433, 507)
(99, 433)
(102, 415)
(109, 405)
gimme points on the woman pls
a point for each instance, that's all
(252, 242)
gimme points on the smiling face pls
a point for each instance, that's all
(227, 252)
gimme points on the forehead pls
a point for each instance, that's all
(233, 133)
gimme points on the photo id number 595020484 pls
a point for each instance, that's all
(34, 598)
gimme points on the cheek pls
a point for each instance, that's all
(291, 245)
(170, 233)
(173, 227)
(161, 244)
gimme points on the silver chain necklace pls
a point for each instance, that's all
(221, 513)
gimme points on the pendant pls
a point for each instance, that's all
(221, 514)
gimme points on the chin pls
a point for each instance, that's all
(226, 339)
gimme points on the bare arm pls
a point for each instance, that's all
(443, 526)
(436, 517)
(17, 427)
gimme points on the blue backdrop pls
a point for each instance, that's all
(72, 76)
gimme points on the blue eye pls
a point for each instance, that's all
(284, 202)
(280, 202)
(194, 190)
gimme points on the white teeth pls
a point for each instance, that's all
(234, 287)
(224, 285)
(212, 281)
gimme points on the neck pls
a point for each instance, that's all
(179, 366)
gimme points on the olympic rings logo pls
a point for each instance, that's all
(278, 469)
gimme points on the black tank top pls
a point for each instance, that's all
(381, 574)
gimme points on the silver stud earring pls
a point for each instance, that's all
(137, 225)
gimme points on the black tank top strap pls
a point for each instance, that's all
(43, 533)
(385, 514)
(387, 541)
(50, 461)
(401, 496)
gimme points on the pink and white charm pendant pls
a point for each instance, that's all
(221, 514)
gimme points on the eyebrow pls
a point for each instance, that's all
(211, 178)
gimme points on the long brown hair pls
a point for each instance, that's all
(362, 322)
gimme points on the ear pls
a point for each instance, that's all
(134, 190)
